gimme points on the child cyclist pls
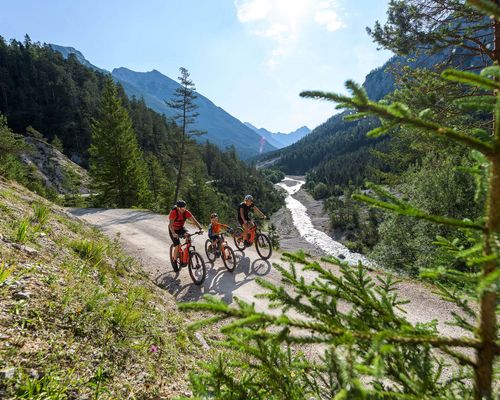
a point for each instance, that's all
(214, 230)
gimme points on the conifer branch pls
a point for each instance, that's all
(486, 6)
(416, 213)
(400, 116)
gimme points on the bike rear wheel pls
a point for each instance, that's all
(175, 264)
(263, 246)
(197, 268)
(238, 239)
(210, 250)
(228, 258)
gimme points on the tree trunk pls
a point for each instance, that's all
(179, 173)
(488, 323)
(488, 320)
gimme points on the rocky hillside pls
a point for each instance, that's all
(54, 169)
(78, 318)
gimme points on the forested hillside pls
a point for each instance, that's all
(59, 100)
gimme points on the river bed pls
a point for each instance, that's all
(312, 236)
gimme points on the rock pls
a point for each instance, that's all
(31, 252)
(18, 285)
(7, 373)
(3, 336)
(21, 295)
(341, 256)
(202, 340)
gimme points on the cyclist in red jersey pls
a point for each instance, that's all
(177, 219)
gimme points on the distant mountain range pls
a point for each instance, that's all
(222, 128)
(278, 139)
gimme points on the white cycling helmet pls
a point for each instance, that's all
(249, 197)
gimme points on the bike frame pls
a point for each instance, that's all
(252, 232)
(186, 247)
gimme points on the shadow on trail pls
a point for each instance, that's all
(219, 281)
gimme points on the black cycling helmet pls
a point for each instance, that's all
(181, 203)
(213, 215)
(249, 197)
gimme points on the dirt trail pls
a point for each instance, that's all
(144, 235)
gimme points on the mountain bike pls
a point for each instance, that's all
(187, 255)
(222, 250)
(262, 241)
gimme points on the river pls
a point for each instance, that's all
(303, 223)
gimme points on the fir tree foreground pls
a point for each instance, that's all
(371, 350)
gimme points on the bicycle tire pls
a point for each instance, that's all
(209, 250)
(228, 258)
(175, 263)
(263, 246)
(238, 239)
(196, 268)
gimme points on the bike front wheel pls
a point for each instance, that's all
(228, 258)
(197, 268)
(263, 246)
(238, 239)
(210, 250)
(174, 262)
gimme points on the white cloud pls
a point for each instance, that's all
(330, 19)
(275, 31)
(284, 21)
(252, 10)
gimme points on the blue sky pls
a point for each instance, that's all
(250, 57)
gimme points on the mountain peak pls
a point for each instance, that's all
(279, 139)
(66, 51)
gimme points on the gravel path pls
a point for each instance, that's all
(145, 236)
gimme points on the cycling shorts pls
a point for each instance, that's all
(180, 232)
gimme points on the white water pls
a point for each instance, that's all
(304, 225)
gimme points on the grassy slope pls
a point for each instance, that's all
(92, 325)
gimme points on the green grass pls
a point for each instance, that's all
(22, 230)
(90, 251)
(41, 214)
(50, 386)
(5, 272)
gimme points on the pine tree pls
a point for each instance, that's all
(434, 25)
(11, 146)
(161, 188)
(116, 162)
(57, 144)
(186, 114)
(371, 350)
